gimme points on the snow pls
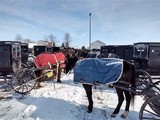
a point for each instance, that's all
(65, 101)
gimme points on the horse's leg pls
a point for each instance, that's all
(88, 89)
(38, 74)
(59, 75)
(128, 100)
(120, 101)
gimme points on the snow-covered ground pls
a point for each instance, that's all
(67, 101)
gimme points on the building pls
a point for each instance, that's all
(96, 45)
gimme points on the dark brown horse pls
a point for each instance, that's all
(126, 80)
(55, 60)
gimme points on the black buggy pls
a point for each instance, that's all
(123, 51)
(146, 58)
(43, 48)
(10, 61)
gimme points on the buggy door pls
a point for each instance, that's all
(16, 57)
(154, 57)
(141, 55)
(141, 51)
(5, 60)
(24, 53)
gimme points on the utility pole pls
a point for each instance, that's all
(90, 31)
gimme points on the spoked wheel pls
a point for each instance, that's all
(30, 62)
(157, 84)
(150, 109)
(23, 65)
(143, 80)
(7, 79)
(23, 81)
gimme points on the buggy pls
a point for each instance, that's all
(46, 65)
(147, 56)
(42, 48)
(10, 52)
(123, 51)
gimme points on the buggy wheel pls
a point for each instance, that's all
(157, 84)
(23, 81)
(150, 109)
(23, 65)
(30, 62)
(143, 80)
(7, 79)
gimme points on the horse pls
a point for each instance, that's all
(71, 60)
(54, 60)
(126, 79)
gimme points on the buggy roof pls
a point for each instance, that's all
(148, 43)
(8, 42)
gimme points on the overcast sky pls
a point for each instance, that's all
(112, 21)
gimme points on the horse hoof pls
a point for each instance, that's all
(124, 115)
(89, 111)
(59, 81)
(113, 115)
(38, 87)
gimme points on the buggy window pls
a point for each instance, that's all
(49, 49)
(16, 50)
(14, 53)
(141, 51)
(24, 48)
(154, 52)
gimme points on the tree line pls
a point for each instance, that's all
(48, 38)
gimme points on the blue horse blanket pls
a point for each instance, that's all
(98, 71)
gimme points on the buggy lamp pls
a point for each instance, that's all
(49, 74)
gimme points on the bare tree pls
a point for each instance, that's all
(62, 45)
(67, 39)
(27, 40)
(18, 37)
(50, 38)
(41, 41)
